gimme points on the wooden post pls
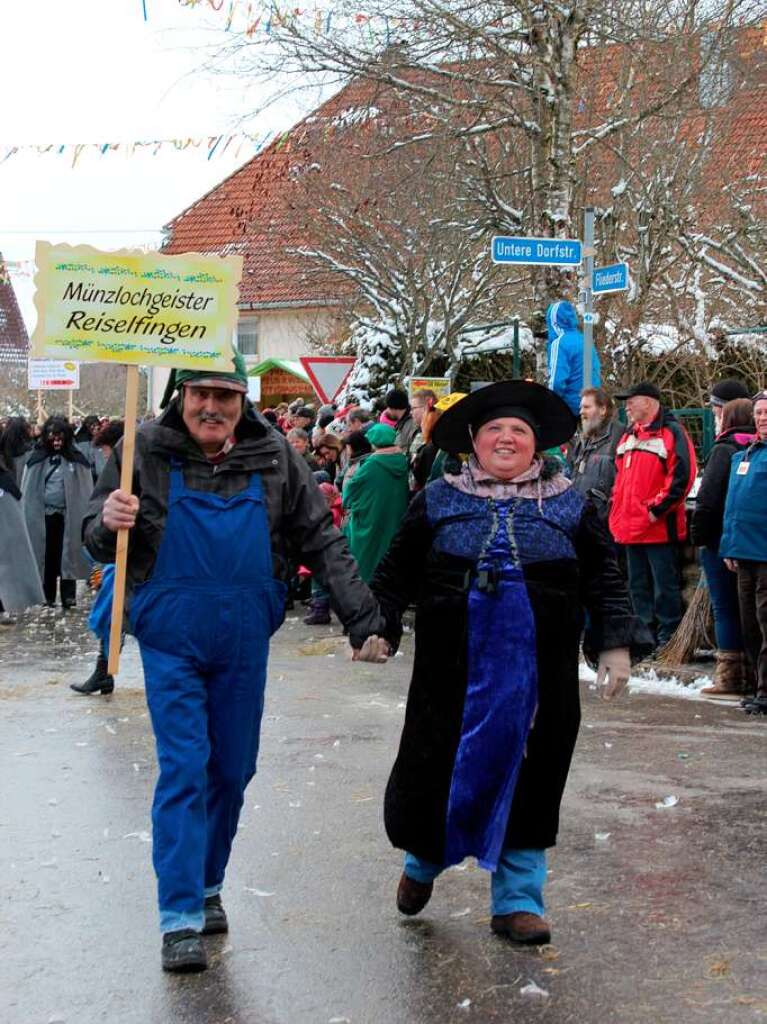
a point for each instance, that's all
(126, 484)
(40, 415)
(71, 402)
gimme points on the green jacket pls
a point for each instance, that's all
(375, 499)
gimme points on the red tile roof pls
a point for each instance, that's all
(258, 211)
(14, 340)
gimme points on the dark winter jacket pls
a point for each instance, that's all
(406, 430)
(300, 523)
(707, 520)
(565, 354)
(592, 463)
(656, 470)
(568, 563)
(745, 513)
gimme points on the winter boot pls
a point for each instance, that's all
(215, 916)
(412, 896)
(756, 705)
(183, 951)
(98, 681)
(728, 677)
(522, 927)
(319, 612)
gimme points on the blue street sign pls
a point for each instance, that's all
(614, 278)
(552, 252)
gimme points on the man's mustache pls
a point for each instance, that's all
(210, 417)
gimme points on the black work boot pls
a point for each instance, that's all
(98, 681)
(756, 706)
(183, 951)
(215, 916)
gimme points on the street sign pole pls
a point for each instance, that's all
(588, 303)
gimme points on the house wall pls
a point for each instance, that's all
(282, 334)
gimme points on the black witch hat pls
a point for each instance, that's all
(548, 415)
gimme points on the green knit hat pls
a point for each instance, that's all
(236, 380)
(381, 436)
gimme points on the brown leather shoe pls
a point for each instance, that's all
(412, 896)
(527, 929)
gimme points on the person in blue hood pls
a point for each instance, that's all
(565, 355)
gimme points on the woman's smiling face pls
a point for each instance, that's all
(505, 447)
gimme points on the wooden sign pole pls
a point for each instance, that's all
(126, 485)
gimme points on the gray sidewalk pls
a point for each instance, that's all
(657, 913)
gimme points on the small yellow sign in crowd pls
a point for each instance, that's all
(134, 307)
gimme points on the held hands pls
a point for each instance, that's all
(119, 511)
(375, 649)
(614, 668)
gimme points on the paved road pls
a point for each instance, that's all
(658, 914)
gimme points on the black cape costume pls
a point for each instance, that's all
(493, 710)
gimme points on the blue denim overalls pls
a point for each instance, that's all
(203, 622)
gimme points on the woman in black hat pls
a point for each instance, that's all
(500, 559)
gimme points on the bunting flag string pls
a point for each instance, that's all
(252, 16)
(211, 145)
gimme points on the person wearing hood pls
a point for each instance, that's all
(20, 586)
(84, 439)
(56, 486)
(16, 445)
(565, 355)
(501, 558)
(735, 432)
(375, 499)
(220, 505)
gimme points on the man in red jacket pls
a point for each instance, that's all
(656, 468)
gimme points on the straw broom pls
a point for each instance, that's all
(695, 631)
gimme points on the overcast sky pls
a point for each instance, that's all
(75, 71)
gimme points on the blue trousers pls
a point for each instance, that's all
(516, 885)
(206, 725)
(723, 588)
(654, 587)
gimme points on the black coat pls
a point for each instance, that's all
(432, 563)
(592, 463)
(708, 517)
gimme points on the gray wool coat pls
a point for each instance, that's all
(20, 585)
(78, 484)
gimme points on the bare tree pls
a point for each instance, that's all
(394, 229)
(546, 107)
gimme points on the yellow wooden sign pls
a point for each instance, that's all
(439, 385)
(132, 307)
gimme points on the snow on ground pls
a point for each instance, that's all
(648, 681)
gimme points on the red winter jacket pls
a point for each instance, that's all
(655, 471)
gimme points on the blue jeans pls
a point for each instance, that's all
(654, 587)
(516, 884)
(723, 588)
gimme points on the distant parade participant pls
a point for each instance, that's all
(220, 501)
(16, 445)
(501, 559)
(20, 586)
(56, 486)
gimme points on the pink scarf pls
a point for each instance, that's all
(475, 480)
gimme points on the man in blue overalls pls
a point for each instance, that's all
(219, 505)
